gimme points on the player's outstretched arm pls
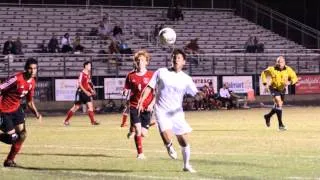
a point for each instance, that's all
(145, 93)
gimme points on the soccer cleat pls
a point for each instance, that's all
(172, 153)
(123, 125)
(95, 123)
(9, 163)
(189, 169)
(141, 156)
(267, 119)
(282, 128)
(66, 123)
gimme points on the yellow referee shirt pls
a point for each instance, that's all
(279, 78)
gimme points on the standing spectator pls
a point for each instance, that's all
(178, 13)
(8, 47)
(18, 46)
(53, 45)
(66, 43)
(192, 47)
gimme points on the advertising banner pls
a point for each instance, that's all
(238, 84)
(308, 84)
(65, 89)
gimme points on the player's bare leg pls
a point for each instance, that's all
(185, 150)
(70, 113)
(91, 113)
(166, 137)
(18, 136)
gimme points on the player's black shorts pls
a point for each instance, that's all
(276, 92)
(82, 98)
(144, 117)
(8, 121)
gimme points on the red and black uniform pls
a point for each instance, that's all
(136, 83)
(85, 81)
(12, 91)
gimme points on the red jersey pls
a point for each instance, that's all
(85, 81)
(136, 83)
(13, 90)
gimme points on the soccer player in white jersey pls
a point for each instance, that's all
(171, 84)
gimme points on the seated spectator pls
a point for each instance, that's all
(170, 12)
(43, 47)
(225, 96)
(192, 47)
(124, 48)
(110, 106)
(66, 43)
(18, 46)
(104, 30)
(250, 45)
(53, 45)
(76, 45)
(117, 32)
(178, 13)
(259, 46)
(114, 48)
(8, 47)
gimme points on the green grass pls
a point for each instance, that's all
(231, 144)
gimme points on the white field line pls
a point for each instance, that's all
(156, 151)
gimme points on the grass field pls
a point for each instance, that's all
(233, 144)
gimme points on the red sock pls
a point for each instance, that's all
(15, 148)
(91, 116)
(138, 141)
(69, 115)
(124, 119)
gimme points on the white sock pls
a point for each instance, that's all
(186, 155)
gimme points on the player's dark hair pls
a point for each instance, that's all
(86, 63)
(29, 62)
(178, 51)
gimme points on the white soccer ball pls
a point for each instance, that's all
(167, 36)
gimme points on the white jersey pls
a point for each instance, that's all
(170, 88)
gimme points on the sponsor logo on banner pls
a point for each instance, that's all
(113, 88)
(308, 84)
(262, 88)
(65, 89)
(200, 81)
(238, 84)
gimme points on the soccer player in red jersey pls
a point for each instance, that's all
(136, 81)
(84, 95)
(12, 118)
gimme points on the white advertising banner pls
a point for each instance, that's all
(238, 84)
(201, 80)
(113, 88)
(65, 89)
(263, 90)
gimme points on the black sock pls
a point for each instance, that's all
(272, 112)
(279, 116)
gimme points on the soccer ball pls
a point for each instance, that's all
(167, 36)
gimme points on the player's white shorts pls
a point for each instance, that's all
(174, 121)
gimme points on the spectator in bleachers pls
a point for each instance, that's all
(43, 47)
(178, 13)
(170, 12)
(77, 45)
(104, 30)
(8, 47)
(250, 45)
(192, 47)
(66, 43)
(18, 46)
(117, 32)
(114, 48)
(53, 45)
(259, 46)
(225, 96)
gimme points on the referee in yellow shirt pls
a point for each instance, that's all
(280, 76)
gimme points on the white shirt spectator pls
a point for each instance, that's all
(65, 41)
(224, 93)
